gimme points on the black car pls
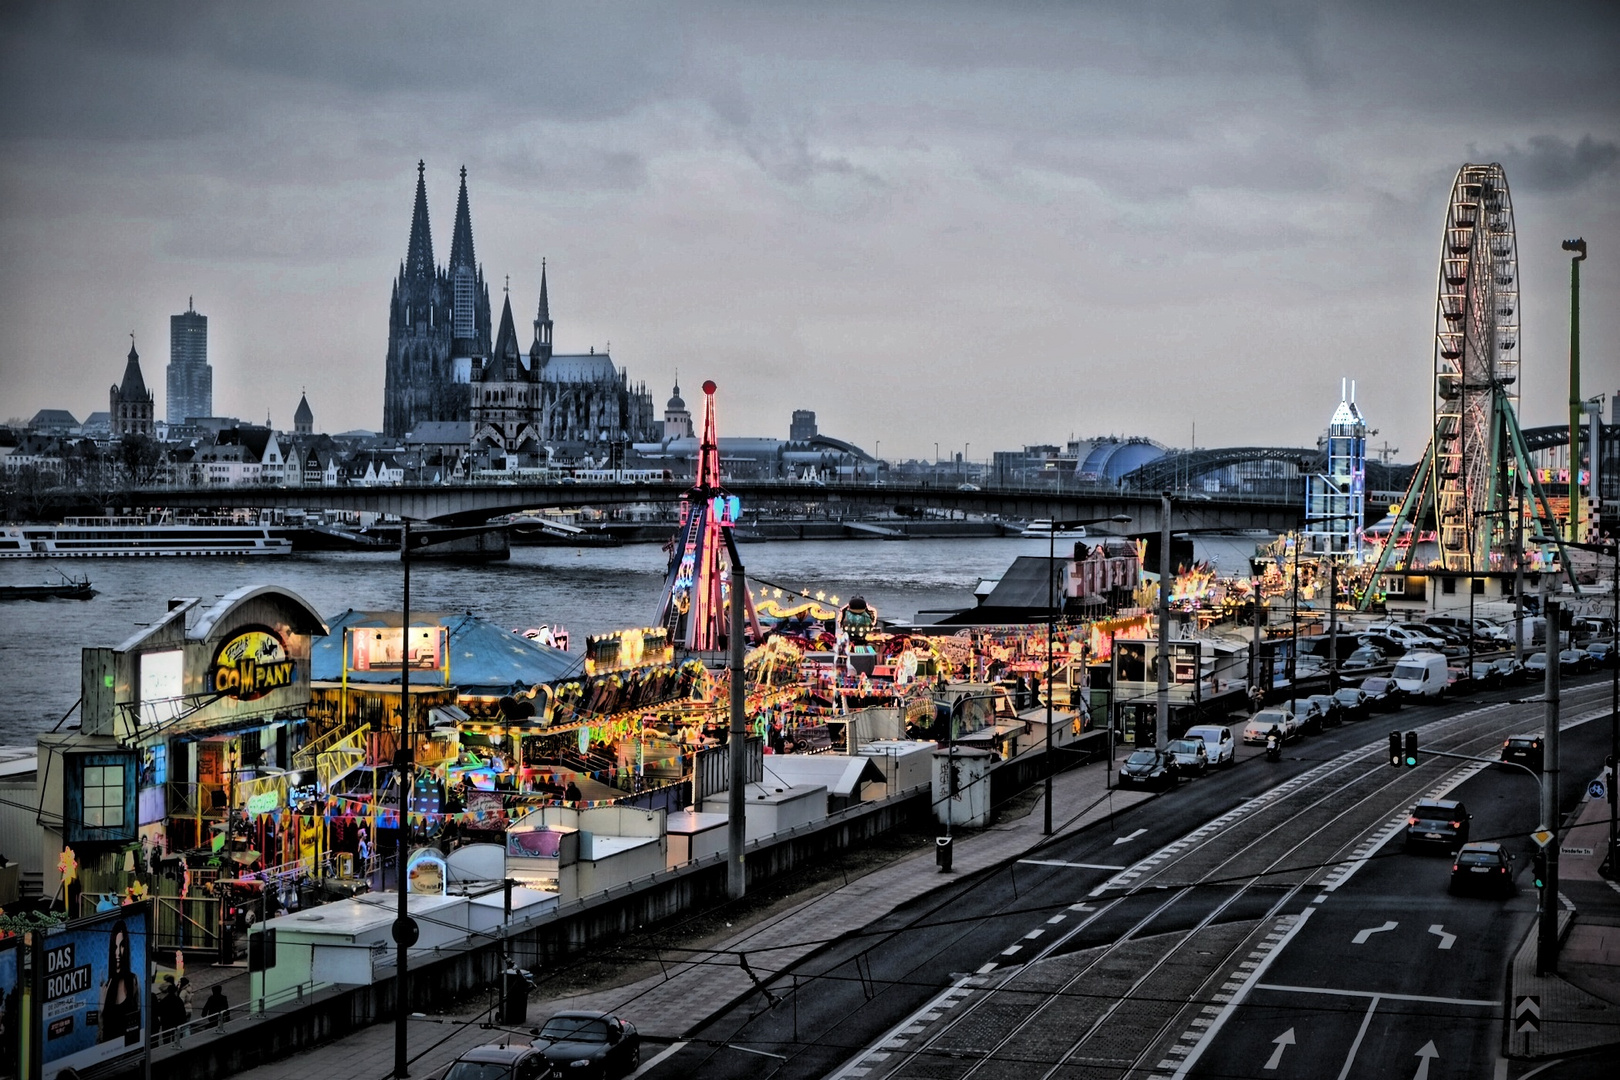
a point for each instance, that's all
(1383, 693)
(1365, 657)
(1352, 703)
(1332, 713)
(1308, 715)
(590, 1045)
(1482, 868)
(1437, 823)
(1486, 675)
(1148, 766)
(1523, 750)
(502, 1063)
(1509, 671)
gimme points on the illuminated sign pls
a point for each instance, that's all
(162, 685)
(379, 648)
(626, 649)
(426, 871)
(252, 664)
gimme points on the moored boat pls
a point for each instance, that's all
(113, 537)
(67, 589)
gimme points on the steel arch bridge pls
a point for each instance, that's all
(1170, 470)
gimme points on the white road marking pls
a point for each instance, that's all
(1426, 1055)
(1481, 1002)
(988, 968)
(1054, 920)
(1446, 940)
(1361, 1033)
(1283, 1041)
(1031, 936)
(1361, 938)
(1230, 1005)
(647, 1066)
(1011, 950)
(1128, 839)
(1075, 865)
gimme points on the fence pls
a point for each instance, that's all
(711, 768)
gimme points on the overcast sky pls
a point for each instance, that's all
(976, 224)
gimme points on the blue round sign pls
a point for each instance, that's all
(1596, 790)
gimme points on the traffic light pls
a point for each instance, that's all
(1395, 749)
(1411, 749)
(1538, 869)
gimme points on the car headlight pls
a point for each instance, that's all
(580, 1063)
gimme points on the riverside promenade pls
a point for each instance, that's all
(697, 984)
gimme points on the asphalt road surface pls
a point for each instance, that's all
(1205, 934)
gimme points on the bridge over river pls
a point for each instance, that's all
(466, 504)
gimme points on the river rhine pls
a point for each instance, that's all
(587, 590)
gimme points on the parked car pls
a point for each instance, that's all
(1575, 662)
(1601, 652)
(1191, 756)
(1148, 767)
(1261, 723)
(1486, 675)
(502, 1063)
(1523, 750)
(1352, 703)
(1483, 867)
(1442, 822)
(1383, 694)
(1384, 644)
(1219, 746)
(590, 1045)
(1535, 665)
(1365, 657)
(1458, 680)
(1308, 717)
(1509, 671)
(1332, 715)
(1421, 674)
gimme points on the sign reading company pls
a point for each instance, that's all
(252, 664)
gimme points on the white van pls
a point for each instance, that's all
(1421, 674)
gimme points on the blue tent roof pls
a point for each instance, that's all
(484, 659)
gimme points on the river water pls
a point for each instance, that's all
(588, 590)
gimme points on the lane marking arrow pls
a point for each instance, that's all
(1361, 938)
(1446, 940)
(1128, 839)
(1283, 1041)
(1427, 1054)
(1527, 1013)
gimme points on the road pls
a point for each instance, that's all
(1206, 932)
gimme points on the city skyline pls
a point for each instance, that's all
(916, 224)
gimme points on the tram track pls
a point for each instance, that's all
(1181, 866)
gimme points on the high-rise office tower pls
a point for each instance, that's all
(191, 380)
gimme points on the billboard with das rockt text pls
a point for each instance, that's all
(93, 975)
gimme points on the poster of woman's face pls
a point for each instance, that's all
(94, 1001)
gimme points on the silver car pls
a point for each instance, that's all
(1192, 757)
(1219, 745)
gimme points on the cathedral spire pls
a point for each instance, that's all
(461, 243)
(540, 351)
(506, 347)
(419, 254)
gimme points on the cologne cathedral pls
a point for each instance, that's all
(441, 366)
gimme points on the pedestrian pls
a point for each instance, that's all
(216, 1009)
(571, 793)
(185, 995)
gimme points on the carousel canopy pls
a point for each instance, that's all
(483, 658)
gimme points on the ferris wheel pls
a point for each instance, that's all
(1475, 485)
(1476, 362)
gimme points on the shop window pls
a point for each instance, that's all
(1448, 585)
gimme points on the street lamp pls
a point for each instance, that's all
(1051, 632)
(1611, 549)
(1578, 246)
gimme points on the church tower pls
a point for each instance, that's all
(303, 417)
(129, 404)
(540, 351)
(437, 318)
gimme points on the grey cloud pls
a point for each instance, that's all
(1554, 165)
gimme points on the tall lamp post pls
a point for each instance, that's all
(1611, 549)
(1578, 247)
(1051, 632)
